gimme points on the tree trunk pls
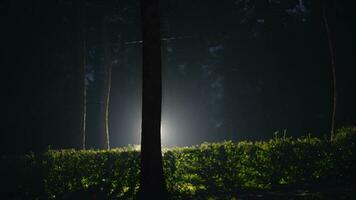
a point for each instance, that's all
(84, 115)
(107, 104)
(82, 54)
(333, 68)
(152, 183)
(107, 83)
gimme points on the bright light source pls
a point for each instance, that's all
(165, 132)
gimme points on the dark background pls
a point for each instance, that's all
(233, 69)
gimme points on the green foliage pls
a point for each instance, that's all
(112, 173)
(209, 169)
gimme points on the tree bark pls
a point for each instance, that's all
(333, 68)
(152, 183)
(107, 84)
(107, 105)
(82, 54)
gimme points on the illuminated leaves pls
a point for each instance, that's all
(197, 172)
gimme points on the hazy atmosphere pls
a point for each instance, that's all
(232, 70)
(178, 99)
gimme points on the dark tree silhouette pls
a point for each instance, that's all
(107, 82)
(326, 4)
(82, 57)
(152, 183)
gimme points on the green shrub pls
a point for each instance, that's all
(209, 169)
(113, 173)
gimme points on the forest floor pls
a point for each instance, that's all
(326, 192)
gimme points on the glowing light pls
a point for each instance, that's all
(165, 132)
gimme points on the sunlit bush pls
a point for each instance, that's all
(209, 169)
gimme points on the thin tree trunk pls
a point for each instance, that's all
(107, 82)
(152, 183)
(82, 53)
(84, 98)
(107, 105)
(333, 69)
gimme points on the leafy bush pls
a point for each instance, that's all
(213, 169)
(112, 173)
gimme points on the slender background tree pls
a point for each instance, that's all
(82, 61)
(325, 6)
(107, 80)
